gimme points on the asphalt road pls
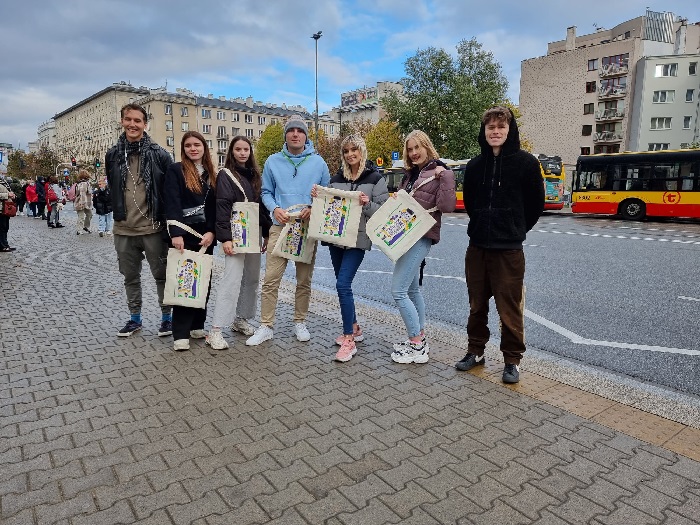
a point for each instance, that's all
(619, 295)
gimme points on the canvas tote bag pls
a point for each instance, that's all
(245, 222)
(187, 274)
(335, 216)
(294, 243)
(399, 223)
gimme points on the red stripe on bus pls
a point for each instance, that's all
(605, 208)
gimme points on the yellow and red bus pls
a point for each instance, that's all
(636, 185)
(554, 176)
(395, 174)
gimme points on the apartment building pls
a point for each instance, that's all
(364, 103)
(577, 99)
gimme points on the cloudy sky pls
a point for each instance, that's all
(58, 52)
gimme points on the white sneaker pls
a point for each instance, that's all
(243, 326)
(216, 340)
(108, 233)
(301, 332)
(411, 353)
(262, 333)
(181, 344)
(198, 334)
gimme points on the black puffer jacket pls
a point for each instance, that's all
(503, 195)
(228, 193)
(160, 158)
(102, 201)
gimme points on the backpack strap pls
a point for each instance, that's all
(426, 181)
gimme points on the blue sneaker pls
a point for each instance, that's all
(129, 329)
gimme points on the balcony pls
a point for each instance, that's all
(223, 136)
(222, 151)
(607, 136)
(613, 70)
(612, 92)
(610, 114)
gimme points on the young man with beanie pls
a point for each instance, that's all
(504, 197)
(135, 169)
(287, 179)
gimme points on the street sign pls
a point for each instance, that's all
(0, 156)
(66, 172)
(380, 161)
(394, 155)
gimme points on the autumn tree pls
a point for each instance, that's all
(446, 96)
(382, 139)
(271, 141)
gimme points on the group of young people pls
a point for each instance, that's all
(150, 191)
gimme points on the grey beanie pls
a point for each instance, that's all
(296, 121)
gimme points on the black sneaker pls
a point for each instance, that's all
(166, 328)
(469, 361)
(511, 374)
(87, 230)
(130, 328)
(59, 225)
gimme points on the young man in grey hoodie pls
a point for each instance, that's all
(287, 179)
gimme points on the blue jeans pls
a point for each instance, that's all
(345, 264)
(405, 289)
(105, 222)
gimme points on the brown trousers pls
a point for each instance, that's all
(498, 274)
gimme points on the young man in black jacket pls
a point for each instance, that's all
(504, 197)
(135, 169)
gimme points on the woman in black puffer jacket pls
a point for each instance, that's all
(102, 201)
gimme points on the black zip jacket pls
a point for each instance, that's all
(227, 193)
(503, 195)
(102, 201)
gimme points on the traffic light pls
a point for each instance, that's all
(73, 162)
(97, 162)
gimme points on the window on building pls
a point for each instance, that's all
(168, 109)
(260, 132)
(222, 160)
(587, 130)
(235, 131)
(262, 120)
(667, 70)
(332, 129)
(221, 131)
(184, 112)
(249, 119)
(249, 133)
(206, 113)
(593, 64)
(693, 68)
(206, 128)
(588, 108)
(222, 145)
(220, 115)
(661, 97)
(686, 122)
(607, 148)
(586, 151)
(590, 87)
(235, 117)
(690, 95)
(168, 125)
(210, 143)
(620, 60)
(608, 126)
(273, 121)
(170, 141)
(657, 146)
(661, 123)
(628, 34)
(185, 126)
(613, 85)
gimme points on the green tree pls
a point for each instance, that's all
(269, 142)
(445, 96)
(382, 139)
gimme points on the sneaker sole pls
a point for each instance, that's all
(464, 369)
(304, 339)
(357, 339)
(258, 342)
(127, 334)
(408, 360)
(346, 359)
(165, 334)
(206, 342)
(510, 380)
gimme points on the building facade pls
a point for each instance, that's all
(363, 103)
(578, 99)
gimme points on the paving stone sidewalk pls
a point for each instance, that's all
(99, 430)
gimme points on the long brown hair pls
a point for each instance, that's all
(193, 180)
(251, 164)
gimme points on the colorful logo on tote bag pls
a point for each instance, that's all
(188, 278)
(397, 226)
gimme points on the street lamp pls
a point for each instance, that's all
(316, 37)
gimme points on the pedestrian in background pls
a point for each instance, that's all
(54, 197)
(83, 202)
(102, 200)
(237, 290)
(189, 197)
(21, 198)
(504, 197)
(5, 194)
(356, 173)
(40, 190)
(135, 169)
(287, 179)
(421, 162)
(32, 198)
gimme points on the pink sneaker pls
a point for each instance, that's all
(357, 335)
(347, 350)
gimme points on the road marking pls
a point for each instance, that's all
(577, 339)
(688, 298)
(608, 236)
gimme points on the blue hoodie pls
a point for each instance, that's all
(282, 188)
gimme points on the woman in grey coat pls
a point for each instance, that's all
(356, 174)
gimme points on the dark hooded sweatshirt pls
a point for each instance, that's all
(503, 195)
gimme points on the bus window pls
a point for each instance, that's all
(665, 177)
(637, 177)
(459, 178)
(592, 179)
(687, 176)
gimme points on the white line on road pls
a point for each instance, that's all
(688, 298)
(575, 338)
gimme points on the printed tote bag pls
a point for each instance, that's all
(294, 243)
(188, 274)
(245, 223)
(399, 223)
(335, 216)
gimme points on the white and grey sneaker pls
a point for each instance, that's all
(410, 352)
(301, 332)
(262, 333)
(243, 326)
(216, 340)
(198, 334)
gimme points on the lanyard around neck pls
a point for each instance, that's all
(296, 166)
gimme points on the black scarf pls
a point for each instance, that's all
(143, 148)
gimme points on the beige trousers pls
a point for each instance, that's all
(274, 270)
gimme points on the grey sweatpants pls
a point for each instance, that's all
(131, 250)
(237, 291)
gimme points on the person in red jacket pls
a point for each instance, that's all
(32, 198)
